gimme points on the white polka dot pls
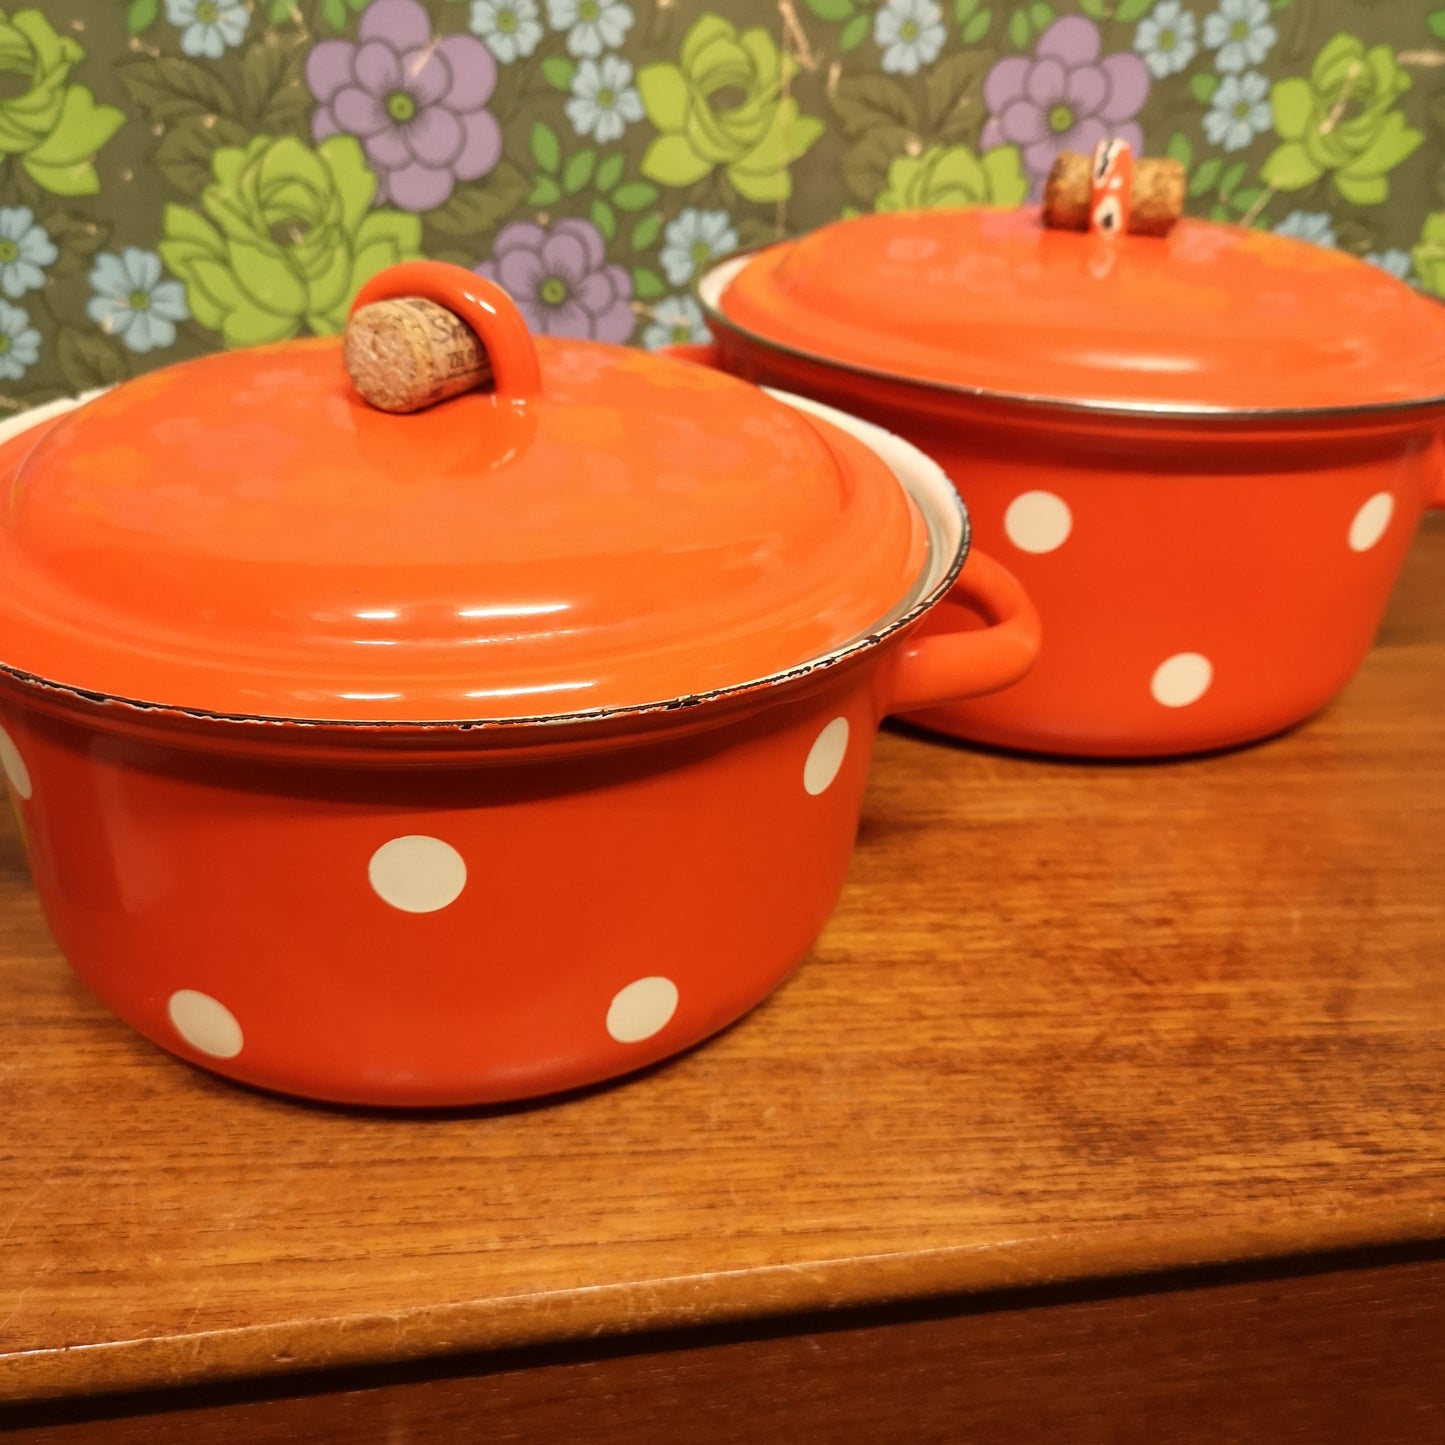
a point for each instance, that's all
(1370, 522)
(1038, 522)
(417, 874)
(825, 757)
(642, 1009)
(1182, 679)
(14, 765)
(205, 1024)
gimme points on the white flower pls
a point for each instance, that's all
(604, 102)
(132, 302)
(1313, 226)
(592, 26)
(510, 27)
(19, 342)
(1240, 31)
(1395, 261)
(676, 321)
(24, 248)
(1238, 111)
(693, 240)
(909, 33)
(1165, 38)
(208, 26)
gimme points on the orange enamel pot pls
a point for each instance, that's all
(1203, 456)
(470, 755)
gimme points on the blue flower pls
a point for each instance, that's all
(910, 33)
(1238, 111)
(1395, 261)
(1165, 38)
(592, 26)
(19, 342)
(604, 100)
(25, 248)
(676, 321)
(510, 27)
(208, 26)
(1313, 226)
(132, 302)
(1240, 32)
(693, 241)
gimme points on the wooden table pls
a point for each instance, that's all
(1111, 1106)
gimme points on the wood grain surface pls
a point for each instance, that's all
(1069, 1022)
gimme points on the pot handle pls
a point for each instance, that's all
(482, 304)
(704, 353)
(938, 667)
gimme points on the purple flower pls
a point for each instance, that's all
(561, 281)
(418, 104)
(1066, 98)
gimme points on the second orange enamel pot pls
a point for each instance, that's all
(1204, 456)
(470, 755)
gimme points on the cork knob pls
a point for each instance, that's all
(410, 353)
(423, 331)
(1152, 203)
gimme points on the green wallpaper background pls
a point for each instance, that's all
(182, 175)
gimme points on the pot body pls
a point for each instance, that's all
(371, 930)
(1201, 583)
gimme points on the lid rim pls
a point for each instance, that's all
(708, 290)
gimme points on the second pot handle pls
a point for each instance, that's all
(937, 667)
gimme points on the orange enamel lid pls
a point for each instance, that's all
(242, 535)
(1211, 318)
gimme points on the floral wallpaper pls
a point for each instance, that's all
(182, 175)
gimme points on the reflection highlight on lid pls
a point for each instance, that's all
(378, 614)
(525, 691)
(518, 609)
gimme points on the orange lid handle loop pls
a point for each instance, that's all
(482, 304)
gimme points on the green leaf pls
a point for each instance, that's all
(479, 207)
(646, 231)
(184, 153)
(1019, 29)
(1095, 9)
(833, 10)
(89, 359)
(141, 15)
(335, 13)
(1202, 87)
(558, 72)
(1437, 24)
(1180, 149)
(863, 102)
(1292, 102)
(77, 239)
(635, 196)
(1131, 10)
(605, 219)
(273, 90)
(1362, 190)
(962, 9)
(953, 90)
(1289, 168)
(1241, 201)
(610, 171)
(1202, 181)
(1232, 178)
(977, 28)
(855, 32)
(1219, 213)
(545, 192)
(647, 285)
(168, 88)
(546, 148)
(1041, 14)
(578, 171)
(282, 10)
